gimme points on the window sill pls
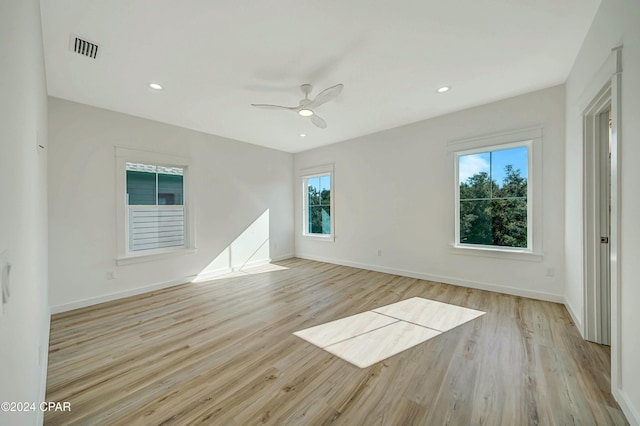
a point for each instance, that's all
(326, 238)
(156, 255)
(497, 253)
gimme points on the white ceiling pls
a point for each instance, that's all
(216, 57)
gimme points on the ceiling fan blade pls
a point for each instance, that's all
(326, 95)
(319, 122)
(267, 106)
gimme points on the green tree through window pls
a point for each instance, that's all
(319, 204)
(493, 199)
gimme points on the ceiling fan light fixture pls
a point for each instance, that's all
(306, 106)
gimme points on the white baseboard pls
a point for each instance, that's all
(282, 257)
(631, 412)
(119, 295)
(576, 320)
(159, 286)
(443, 279)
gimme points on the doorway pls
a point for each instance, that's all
(601, 198)
(597, 220)
(601, 112)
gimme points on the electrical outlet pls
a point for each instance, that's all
(111, 275)
(379, 252)
(550, 272)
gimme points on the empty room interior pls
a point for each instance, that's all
(319, 212)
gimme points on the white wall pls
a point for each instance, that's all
(617, 22)
(24, 324)
(242, 195)
(394, 190)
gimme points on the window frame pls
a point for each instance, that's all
(532, 139)
(491, 150)
(305, 175)
(124, 255)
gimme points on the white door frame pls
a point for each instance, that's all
(604, 93)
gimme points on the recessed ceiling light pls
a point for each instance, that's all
(302, 135)
(156, 86)
(305, 112)
(443, 89)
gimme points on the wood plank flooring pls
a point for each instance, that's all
(223, 353)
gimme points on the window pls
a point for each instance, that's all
(318, 211)
(493, 194)
(155, 206)
(154, 220)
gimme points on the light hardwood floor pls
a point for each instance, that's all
(223, 352)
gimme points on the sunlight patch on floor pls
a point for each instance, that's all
(243, 272)
(369, 337)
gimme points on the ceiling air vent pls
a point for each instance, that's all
(83, 47)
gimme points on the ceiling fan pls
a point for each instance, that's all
(306, 106)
